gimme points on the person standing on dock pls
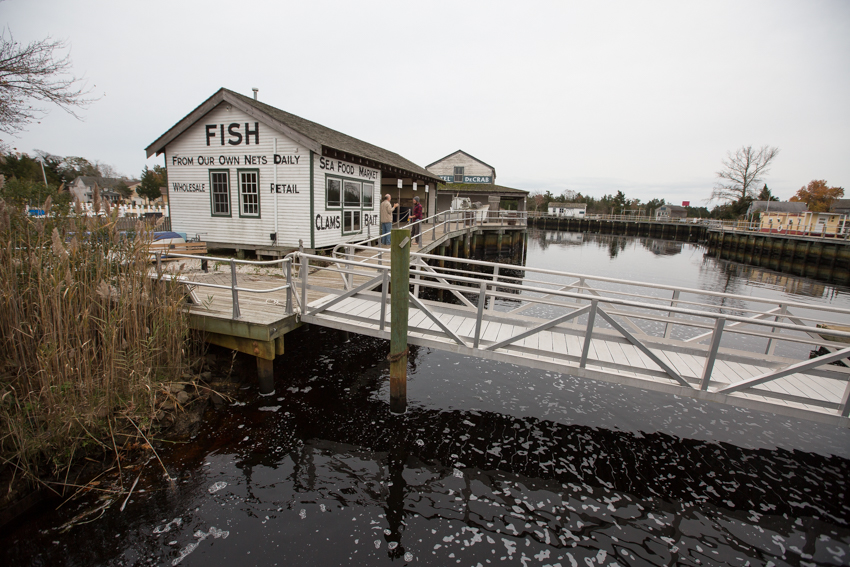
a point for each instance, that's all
(415, 217)
(387, 218)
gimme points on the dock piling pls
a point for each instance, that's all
(399, 303)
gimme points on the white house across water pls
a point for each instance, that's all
(244, 175)
(575, 210)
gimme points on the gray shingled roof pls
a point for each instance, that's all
(102, 182)
(839, 205)
(557, 205)
(777, 207)
(478, 188)
(301, 127)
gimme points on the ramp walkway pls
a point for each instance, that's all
(733, 349)
(738, 350)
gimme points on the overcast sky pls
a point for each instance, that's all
(644, 97)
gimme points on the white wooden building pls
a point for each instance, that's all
(467, 177)
(461, 167)
(576, 210)
(669, 212)
(245, 175)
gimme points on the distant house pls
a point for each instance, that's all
(840, 206)
(467, 177)
(669, 212)
(82, 188)
(568, 209)
(804, 223)
(776, 207)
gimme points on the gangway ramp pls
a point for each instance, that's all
(705, 345)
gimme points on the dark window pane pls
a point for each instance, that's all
(334, 191)
(352, 194)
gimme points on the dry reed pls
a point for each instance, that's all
(87, 337)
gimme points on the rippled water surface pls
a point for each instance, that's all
(492, 463)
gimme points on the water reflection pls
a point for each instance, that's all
(491, 463)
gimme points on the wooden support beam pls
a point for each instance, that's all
(263, 351)
(265, 375)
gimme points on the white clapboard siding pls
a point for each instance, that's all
(189, 159)
(324, 167)
(191, 211)
(471, 166)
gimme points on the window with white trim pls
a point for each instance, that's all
(352, 198)
(220, 193)
(458, 174)
(249, 193)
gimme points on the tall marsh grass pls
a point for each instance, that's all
(87, 338)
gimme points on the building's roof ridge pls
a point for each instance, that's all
(467, 154)
(314, 135)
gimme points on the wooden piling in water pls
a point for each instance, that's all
(399, 302)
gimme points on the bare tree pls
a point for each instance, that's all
(106, 170)
(35, 72)
(742, 172)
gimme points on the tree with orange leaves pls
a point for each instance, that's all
(818, 196)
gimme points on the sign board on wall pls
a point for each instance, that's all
(468, 178)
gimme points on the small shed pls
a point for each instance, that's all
(669, 212)
(576, 210)
(245, 175)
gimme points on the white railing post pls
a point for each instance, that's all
(416, 277)
(287, 266)
(482, 301)
(712, 353)
(233, 291)
(771, 345)
(305, 264)
(669, 327)
(588, 334)
(495, 279)
(383, 299)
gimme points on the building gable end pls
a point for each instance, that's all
(223, 96)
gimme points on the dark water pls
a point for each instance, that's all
(492, 464)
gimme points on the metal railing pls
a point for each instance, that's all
(842, 231)
(449, 221)
(641, 314)
(285, 266)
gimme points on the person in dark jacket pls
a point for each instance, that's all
(415, 217)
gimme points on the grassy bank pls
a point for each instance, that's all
(88, 342)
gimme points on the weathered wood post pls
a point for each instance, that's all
(400, 283)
